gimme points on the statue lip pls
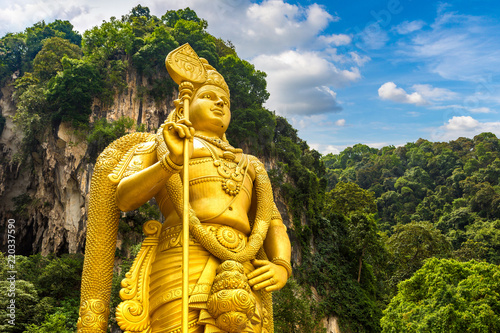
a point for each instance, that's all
(218, 111)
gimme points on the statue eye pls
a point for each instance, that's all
(207, 96)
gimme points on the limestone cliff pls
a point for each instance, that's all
(47, 195)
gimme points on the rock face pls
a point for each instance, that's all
(47, 196)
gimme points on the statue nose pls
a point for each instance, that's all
(219, 102)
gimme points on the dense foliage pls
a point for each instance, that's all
(47, 291)
(447, 296)
(362, 221)
(453, 186)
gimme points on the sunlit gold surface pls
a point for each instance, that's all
(239, 251)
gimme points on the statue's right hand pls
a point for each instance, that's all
(174, 135)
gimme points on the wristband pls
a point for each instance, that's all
(283, 263)
(168, 165)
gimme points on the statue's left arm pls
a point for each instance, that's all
(272, 274)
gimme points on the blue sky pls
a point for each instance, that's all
(372, 72)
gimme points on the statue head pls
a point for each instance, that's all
(209, 105)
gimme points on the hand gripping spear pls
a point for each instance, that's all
(186, 69)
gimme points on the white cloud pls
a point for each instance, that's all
(16, 16)
(360, 60)
(373, 37)
(377, 145)
(462, 123)
(336, 40)
(327, 149)
(482, 109)
(390, 91)
(340, 123)
(457, 47)
(464, 126)
(299, 83)
(462, 108)
(312, 121)
(435, 94)
(407, 27)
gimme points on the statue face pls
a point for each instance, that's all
(209, 110)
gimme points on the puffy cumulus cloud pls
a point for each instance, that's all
(465, 126)
(390, 91)
(462, 123)
(299, 83)
(429, 92)
(274, 26)
(407, 27)
(456, 47)
(16, 16)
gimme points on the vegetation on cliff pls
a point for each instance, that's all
(362, 221)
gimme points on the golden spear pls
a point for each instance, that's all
(186, 69)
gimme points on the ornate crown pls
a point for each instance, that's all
(214, 77)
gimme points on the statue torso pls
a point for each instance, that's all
(220, 188)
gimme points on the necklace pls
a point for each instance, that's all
(232, 173)
(218, 142)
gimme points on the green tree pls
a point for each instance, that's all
(192, 32)
(252, 128)
(12, 51)
(26, 298)
(109, 40)
(411, 244)
(40, 31)
(71, 92)
(171, 17)
(349, 198)
(484, 237)
(55, 322)
(49, 60)
(247, 85)
(150, 58)
(358, 206)
(454, 224)
(447, 296)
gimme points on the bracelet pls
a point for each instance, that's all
(283, 263)
(169, 166)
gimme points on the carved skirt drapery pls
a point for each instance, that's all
(165, 304)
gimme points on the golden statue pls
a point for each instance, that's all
(216, 273)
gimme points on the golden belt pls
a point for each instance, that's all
(230, 238)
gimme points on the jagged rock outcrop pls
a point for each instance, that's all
(47, 196)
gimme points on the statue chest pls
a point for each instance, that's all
(219, 176)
